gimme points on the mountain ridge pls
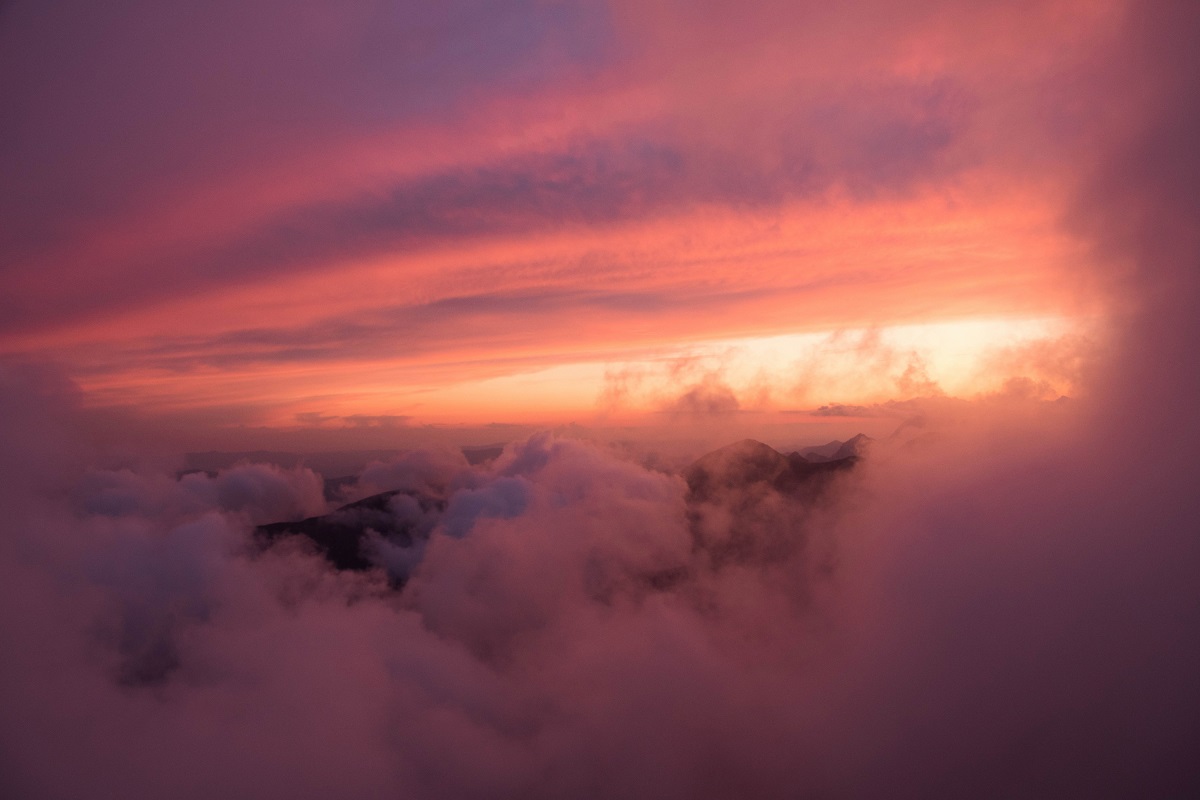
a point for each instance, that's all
(738, 473)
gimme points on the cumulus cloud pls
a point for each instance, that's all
(846, 410)
(577, 624)
(260, 492)
(429, 470)
(710, 397)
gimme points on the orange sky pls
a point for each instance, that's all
(542, 214)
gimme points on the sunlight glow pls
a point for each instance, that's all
(860, 365)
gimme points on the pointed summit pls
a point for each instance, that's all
(836, 451)
(853, 448)
(738, 464)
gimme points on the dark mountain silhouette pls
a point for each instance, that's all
(747, 480)
(737, 464)
(749, 503)
(835, 450)
(340, 535)
(748, 462)
(852, 448)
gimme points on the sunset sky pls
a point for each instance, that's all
(268, 268)
(337, 215)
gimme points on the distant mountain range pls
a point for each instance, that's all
(836, 451)
(739, 474)
(332, 463)
(748, 462)
(341, 535)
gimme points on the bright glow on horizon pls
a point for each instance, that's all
(761, 224)
(768, 373)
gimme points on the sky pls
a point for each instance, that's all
(613, 237)
(328, 215)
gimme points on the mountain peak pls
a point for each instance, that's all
(747, 461)
(852, 448)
